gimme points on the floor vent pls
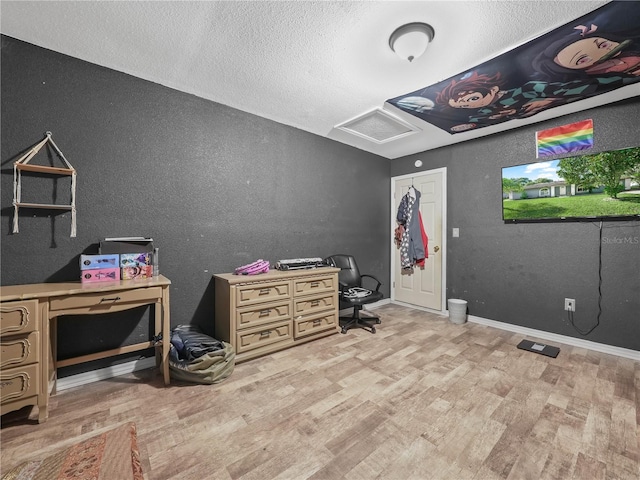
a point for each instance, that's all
(378, 126)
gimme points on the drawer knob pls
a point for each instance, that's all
(264, 291)
(315, 284)
(265, 333)
(317, 321)
(265, 313)
(315, 303)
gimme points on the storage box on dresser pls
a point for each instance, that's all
(261, 314)
(20, 363)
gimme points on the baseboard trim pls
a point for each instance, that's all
(555, 337)
(104, 373)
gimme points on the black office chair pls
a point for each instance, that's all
(350, 281)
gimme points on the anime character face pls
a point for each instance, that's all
(474, 99)
(584, 53)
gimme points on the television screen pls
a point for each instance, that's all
(602, 185)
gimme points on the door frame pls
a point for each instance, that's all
(443, 247)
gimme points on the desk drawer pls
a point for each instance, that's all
(19, 350)
(262, 292)
(262, 314)
(18, 317)
(319, 284)
(105, 300)
(317, 323)
(18, 382)
(250, 339)
(306, 306)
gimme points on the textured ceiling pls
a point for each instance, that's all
(310, 65)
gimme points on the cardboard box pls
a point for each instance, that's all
(100, 275)
(130, 273)
(92, 262)
(135, 259)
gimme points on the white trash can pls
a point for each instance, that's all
(457, 311)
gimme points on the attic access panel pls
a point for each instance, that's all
(378, 126)
(595, 54)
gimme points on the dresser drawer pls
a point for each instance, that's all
(256, 315)
(104, 300)
(311, 305)
(16, 351)
(253, 338)
(18, 317)
(262, 292)
(308, 325)
(319, 284)
(18, 382)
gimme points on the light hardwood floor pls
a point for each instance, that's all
(421, 399)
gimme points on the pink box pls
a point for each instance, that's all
(100, 275)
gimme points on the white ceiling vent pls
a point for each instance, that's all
(378, 126)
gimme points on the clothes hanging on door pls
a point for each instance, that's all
(412, 234)
(425, 242)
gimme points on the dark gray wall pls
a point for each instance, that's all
(215, 187)
(521, 273)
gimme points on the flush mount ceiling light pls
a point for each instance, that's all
(411, 40)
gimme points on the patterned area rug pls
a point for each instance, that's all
(108, 456)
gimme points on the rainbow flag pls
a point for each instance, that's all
(565, 139)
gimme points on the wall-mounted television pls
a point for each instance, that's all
(598, 186)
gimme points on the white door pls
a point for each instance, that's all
(421, 287)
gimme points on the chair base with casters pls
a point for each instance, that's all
(357, 321)
(352, 293)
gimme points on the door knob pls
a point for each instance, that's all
(436, 249)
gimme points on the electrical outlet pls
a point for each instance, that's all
(570, 304)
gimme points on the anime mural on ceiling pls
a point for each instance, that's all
(594, 54)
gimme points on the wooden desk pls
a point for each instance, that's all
(28, 323)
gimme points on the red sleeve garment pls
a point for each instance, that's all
(425, 241)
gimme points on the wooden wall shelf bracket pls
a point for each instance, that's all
(22, 164)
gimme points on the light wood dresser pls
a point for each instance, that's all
(28, 327)
(268, 312)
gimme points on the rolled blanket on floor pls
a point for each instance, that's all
(199, 358)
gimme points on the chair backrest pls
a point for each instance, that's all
(349, 273)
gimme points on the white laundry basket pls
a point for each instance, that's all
(457, 310)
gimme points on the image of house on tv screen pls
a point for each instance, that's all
(603, 185)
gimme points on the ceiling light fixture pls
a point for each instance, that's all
(411, 40)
